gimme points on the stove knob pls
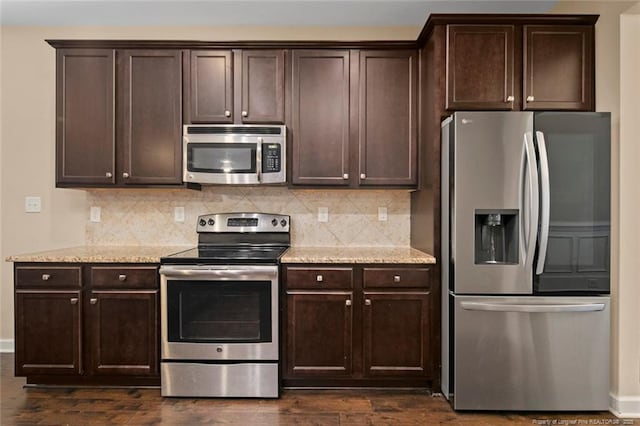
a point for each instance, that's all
(203, 222)
(283, 223)
(212, 222)
(274, 222)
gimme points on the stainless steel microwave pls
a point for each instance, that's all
(234, 154)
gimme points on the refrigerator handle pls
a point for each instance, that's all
(545, 202)
(534, 197)
(524, 219)
(525, 307)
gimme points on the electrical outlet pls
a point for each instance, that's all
(178, 214)
(323, 214)
(95, 214)
(32, 204)
(382, 214)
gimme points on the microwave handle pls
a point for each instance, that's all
(259, 159)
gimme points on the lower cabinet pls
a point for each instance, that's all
(353, 325)
(87, 324)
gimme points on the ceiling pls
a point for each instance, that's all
(254, 12)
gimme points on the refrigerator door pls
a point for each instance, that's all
(531, 353)
(575, 182)
(493, 201)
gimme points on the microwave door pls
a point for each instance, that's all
(223, 163)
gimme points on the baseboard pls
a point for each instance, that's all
(7, 346)
(625, 406)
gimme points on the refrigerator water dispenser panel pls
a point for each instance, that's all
(496, 237)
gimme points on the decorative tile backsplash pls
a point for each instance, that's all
(146, 216)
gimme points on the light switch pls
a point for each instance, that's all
(32, 204)
(323, 214)
(95, 214)
(382, 214)
(178, 214)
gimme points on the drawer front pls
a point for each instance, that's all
(397, 277)
(52, 276)
(319, 278)
(124, 277)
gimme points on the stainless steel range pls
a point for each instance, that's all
(219, 308)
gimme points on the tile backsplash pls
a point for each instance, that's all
(146, 216)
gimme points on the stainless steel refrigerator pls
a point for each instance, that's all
(525, 252)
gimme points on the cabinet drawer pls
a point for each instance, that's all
(396, 277)
(125, 277)
(319, 278)
(52, 276)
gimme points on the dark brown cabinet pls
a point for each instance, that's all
(87, 324)
(118, 117)
(354, 117)
(235, 86)
(513, 67)
(351, 325)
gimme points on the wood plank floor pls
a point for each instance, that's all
(62, 406)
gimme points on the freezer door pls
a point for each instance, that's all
(575, 229)
(531, 353)
(492, 192)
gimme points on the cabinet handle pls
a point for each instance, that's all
(125, 175)
(108, 174)
(345, 176)
(530, 98)
(363, 176)
(45, 277)
(511, 98)
(319, 278)
(227, 113)
(367, 302)
(396, 278)
(74, 300)
(93, 300)
(347, 302)
(122, 277)
(245, 114)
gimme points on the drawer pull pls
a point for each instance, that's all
(347, 302)
(74, 300)
(319, 278)
(367, 302)
(396, 278)
(122, 277)
(45, 277)
(93, 300)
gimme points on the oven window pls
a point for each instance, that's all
(221, 157)
(224, 312)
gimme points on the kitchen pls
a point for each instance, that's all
(64, 218)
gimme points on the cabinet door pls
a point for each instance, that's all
(262, 86)
(85, 126)
(124, 332)
(47, 332)
(150, 116)
(396, 328)
(388, 112)
(558, 67)
(319, 334)
(480, 67)
(211, 88)
(320, 115)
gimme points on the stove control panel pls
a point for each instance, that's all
(243, 223)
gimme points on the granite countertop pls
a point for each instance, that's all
(395, 255)
(100, 254)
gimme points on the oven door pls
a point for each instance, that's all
(219, 313)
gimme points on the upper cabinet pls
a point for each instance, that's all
(235, 86)
(514, 67)
(354, 118)
(118, 117)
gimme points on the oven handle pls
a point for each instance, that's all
(248, 272)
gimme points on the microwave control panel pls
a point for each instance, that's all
(271, 157)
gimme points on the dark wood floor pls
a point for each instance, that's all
(56, 406)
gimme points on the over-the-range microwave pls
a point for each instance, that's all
(234, 154)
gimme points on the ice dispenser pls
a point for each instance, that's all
(496, 236)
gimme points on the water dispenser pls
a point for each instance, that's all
(496, 237)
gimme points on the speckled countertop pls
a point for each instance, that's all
(100, 254)
(356, 255)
